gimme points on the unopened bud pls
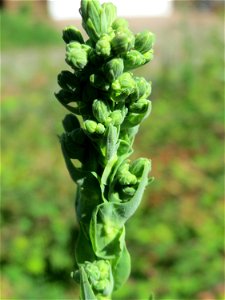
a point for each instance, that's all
(77, 55)
(103, 46)
(100, 128)
(144, 41)
(148, 55)
(141, 106)
(120, 24)
(133, 59)
(90, 126)
(100, 110)
(113, 68)
(94, 127)
(122, 87)
(122, 42)
(138, 165)
(72, 34)
(117, 117)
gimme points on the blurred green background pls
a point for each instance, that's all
(176, 237)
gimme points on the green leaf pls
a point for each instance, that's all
(121, 268)
(86, 290)
(111, 141)
(107, 233)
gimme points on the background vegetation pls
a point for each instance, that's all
(176, 237)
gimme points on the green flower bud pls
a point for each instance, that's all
(110, 13)
(133, 59)
(117, 116)
(77, 55)
(148, 55)
(90, 126)
(100, 276)
(113, 68)
(100, 110)
(70, 122)
(124, 176)
(127, 179)
(144, 41)
(91, 11)
(72, 34)
(103, 46)
(128, 191)
(94, 127)
(141, 106)
(122, 42)
(138, 165)
(103, 268)
(67, 80)
(133, 119)
(100, 129)
(142, 89)
(122, 87)
(120, 24)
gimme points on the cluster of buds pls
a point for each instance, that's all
(107, 103)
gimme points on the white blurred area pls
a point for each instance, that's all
(69, 9)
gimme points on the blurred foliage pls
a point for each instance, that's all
(21, 29)
(176, 237)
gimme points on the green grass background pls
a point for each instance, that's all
(176, 237)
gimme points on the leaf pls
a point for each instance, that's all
(87, 201)
(123, 211)
(86, 289)
(111, 142)
(107, 233)
(121, 268)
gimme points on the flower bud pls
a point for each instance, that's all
(72, 34)
(113, 68)
(103, 46)
(133, 59)
(100, 128)
(127, 179)
(110, 13)
(120, 24)
(117, 117)
(138, 165)
(148, 55)
(122, 42)
(122, 87)
(77, 55)
(94, 127)
(142, 89)
(128, 191)
(141, 106)
(91, 11)
(100, 276)
(100, 110)
(133, 118)
(124, 176)
(144, 41)
(90, 126)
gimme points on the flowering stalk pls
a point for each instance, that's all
(111, 103)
